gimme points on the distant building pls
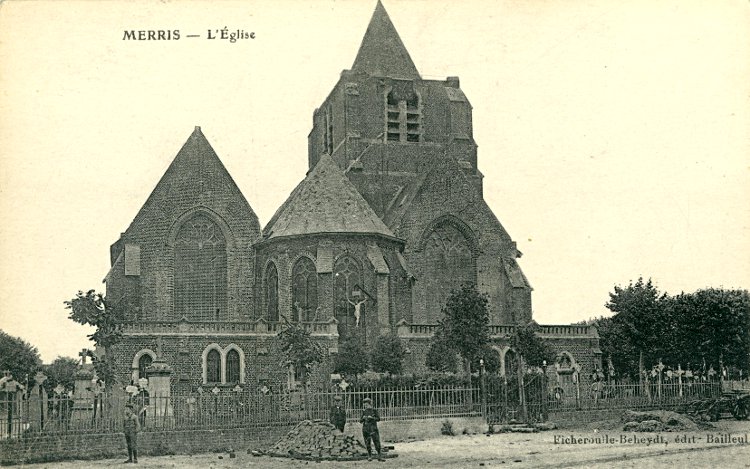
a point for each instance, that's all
(389, 219)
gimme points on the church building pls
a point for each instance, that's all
(388, 220)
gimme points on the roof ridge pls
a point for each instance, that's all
(382, 52)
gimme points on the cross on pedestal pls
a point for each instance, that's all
(83, 354)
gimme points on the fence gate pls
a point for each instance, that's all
(507, 400)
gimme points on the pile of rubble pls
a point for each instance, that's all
(318, 440)
(659, 421)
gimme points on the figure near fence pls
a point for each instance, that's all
(337, 415)
(370, 433)
(131, 427)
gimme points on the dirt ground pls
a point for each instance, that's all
(552, 449)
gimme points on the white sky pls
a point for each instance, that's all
(614, 136)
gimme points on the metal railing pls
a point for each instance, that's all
(231, 408)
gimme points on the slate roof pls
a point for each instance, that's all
(382, 53)
(325, 202)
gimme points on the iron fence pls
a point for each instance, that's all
(601, 395)
(499, 400)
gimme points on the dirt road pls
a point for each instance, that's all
(553, 449)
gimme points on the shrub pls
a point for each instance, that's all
(447, 428)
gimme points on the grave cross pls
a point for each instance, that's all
(83, 354)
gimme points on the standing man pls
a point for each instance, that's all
(131, 427)
(370, 419)
(338, 414)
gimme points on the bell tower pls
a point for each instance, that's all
(385, 125)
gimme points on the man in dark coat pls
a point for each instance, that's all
(370, 419)
(337, 415)
(131, 427)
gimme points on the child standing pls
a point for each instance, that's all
(337, 415)
(131, 426)
(370, 419)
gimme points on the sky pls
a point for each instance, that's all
(614, 136)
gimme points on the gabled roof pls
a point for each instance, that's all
(325, 202)
(382, 53)
(195, 175)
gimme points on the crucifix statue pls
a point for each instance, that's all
(357, 308)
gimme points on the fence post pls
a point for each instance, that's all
(483, 386)
(522, 389)
(545, 391)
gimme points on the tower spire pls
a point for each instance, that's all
(382, 53)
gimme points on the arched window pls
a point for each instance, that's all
(304, 290)
(272, 293)
(346, 276)
(143, 363)
(233, 366)
(200, 277)
(213, 367)
(449, 264)
(404, 118)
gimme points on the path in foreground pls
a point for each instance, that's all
(506, 450)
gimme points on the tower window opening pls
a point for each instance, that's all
(403, 115)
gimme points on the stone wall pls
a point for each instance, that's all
(44, 448)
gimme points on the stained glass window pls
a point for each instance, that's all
(346, 276)
(449, 264)
(304, 290)
(233, 366)
(200, 270)
(272, 293)
(213, 367)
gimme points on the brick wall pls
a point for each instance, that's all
(44, 448)
(263, 361)
(195, 183)
(285, 252)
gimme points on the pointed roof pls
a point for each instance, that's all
(382, 53)
(325, 202)
(196, 176)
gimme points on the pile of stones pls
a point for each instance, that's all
(318, 440)
(658, 421)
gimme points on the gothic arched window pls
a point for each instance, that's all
(143, 363)
(346, 276)
(213, 366)
(200, 277)
(233, 366)
(404, 119)
(272, 293)
(304, 290)
(449, 264)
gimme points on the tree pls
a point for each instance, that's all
(93, 309)
(491, 360)
(19, 357)
(465, 322)
(352, 357)
(388, 354)
(299, 349)
(642, 326)
(61, 371)
(441, 356)
(713, 325)
(708, 326)
(532, 348)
